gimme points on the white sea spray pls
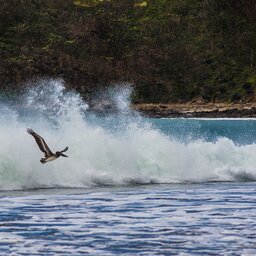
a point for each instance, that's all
(133, 152)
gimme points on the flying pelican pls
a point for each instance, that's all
(49, 156)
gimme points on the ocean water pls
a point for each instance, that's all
(131, 185)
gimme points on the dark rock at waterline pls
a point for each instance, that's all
(201, 111)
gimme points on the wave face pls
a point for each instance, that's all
(115, 150)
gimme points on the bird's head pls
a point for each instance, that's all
(60, 154)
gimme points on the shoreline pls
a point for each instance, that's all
(197, 110)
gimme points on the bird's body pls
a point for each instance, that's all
(48, 159)
(49, 156)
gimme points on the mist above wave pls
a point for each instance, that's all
(126, 152)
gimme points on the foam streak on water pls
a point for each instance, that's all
(126, 152)
(203, 219)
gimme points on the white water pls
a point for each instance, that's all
(133, 153)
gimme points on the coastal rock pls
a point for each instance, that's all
(187, 110)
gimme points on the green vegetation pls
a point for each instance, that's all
(172, 50)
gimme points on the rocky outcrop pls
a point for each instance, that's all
(221, 110)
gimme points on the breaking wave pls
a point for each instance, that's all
(116, 150)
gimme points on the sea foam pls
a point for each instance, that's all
(128, 150)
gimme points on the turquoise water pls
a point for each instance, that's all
(240, 131)
(130, 186)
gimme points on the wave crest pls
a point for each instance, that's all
(135, 153)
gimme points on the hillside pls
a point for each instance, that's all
(172, 51)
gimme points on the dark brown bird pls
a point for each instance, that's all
(49, 156)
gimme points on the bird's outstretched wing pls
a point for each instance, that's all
(41, 143)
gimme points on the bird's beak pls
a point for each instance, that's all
(63, 155)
